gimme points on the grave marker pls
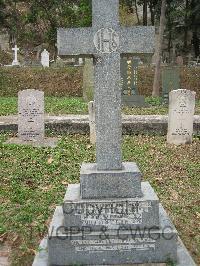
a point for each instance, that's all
(4, 41)
(181, 117)
(88, 80)
(179, 60)
(45, 58)
(31, 115)
(170, 81)
(15, 61)
(91, 111)
(106, 40)
(31, 120)
(129, 75)
(110, 203)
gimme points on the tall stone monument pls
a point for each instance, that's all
(111, 217)
(31, 120)
(181, 117)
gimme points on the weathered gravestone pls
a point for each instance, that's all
(181, 117)
(101, 218)
(129, 76)
(15, 61)
(88, 80)
(31, 120)
(170, 81)
(91, 111)
(45, 58)
(4, 41)
(179, 60)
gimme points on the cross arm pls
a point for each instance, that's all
(75, 41)
(137, 40)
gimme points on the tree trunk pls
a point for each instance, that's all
(156, 83)
(136, 10)
(195, 28)
(152, 13)
(196, 42)
(145, 13)
(186, 25)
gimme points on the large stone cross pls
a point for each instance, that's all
(106, 41)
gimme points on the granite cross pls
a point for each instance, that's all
(106, 41)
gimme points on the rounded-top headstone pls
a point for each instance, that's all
(31, 115)
(181, 116)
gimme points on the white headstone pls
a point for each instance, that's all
(31, 126)
(31, 115)
(92, 124)
(45, 58)
(181, 116)
(80, 60)
(15, 61)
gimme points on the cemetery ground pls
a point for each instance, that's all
(33, 181)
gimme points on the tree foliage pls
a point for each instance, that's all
(36, 21)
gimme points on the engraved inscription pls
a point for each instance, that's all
(114, 244)
(106, 40)
(31, 115)
(181, 117)
(182, 110)
(110, 213)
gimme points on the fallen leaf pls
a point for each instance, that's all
(50, 160)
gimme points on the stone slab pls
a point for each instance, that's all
(31, 115)
(170, 81)
(111, 213)
(98, 184)
(70, 246)
(5, 251)
(88, 80)
(91, 110)
(47, 142)
(79, 124)
(183, 256)
(181, 113)
(133, 101)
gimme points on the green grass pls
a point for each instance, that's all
(76, 105)
(53, 105)
(33, 181)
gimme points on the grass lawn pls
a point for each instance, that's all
(33, 181)
(76, 105)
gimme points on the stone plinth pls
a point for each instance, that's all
(83, 246)
(112, 213)
(98, 184)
